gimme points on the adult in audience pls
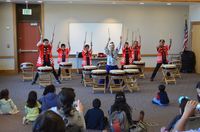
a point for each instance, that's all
(49, 121)
(188, 112)
(70, 110)
(49, 98)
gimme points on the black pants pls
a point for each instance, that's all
(53, 71)
(158, 65)
(59, 71)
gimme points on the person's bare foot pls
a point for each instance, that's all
(141, 116)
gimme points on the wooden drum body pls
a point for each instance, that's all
(168, 71)
(116, 80)
(141, 66)
(87, 78)
(45, 75)
(65, 70)
(131, 79)
(27, 71)
(99, 80)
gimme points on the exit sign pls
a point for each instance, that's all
(26, 11)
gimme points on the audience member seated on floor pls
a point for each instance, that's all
(182, 102)
(94, 118)
(162, 97)
(188, 112)
(49, 121)
(198, 91)
(6, 104)
(49, 98)
(70, 110)
(32, 108)
(120, 114)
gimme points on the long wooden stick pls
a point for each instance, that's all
(85, 37)
(53, 34)
(108, 32)
(40, 30)
(132, 36)
(91, 36)
(127, 35)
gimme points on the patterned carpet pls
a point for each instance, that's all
(154, 115)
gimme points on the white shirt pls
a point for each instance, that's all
(112, 56)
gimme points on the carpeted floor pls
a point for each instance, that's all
(138, 100)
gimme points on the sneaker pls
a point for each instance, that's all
(151, 79)
(24, 121)
(33, 83)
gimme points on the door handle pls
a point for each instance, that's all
(27, 51)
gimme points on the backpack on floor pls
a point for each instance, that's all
(118, 121)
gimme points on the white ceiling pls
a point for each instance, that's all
(114, 2)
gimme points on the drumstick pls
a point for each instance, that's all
(85, 37)
(127, 35)
(40, 30)
(53, 33)
(132, 36)
(108, 32)
(91, 36)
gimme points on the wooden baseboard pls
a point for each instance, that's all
(7, 72)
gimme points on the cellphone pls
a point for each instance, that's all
(198, 107)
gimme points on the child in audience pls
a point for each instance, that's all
(49, 98)
(162, 97)
(6, 104)
(94, 118)
(49, 121)
(198, 91)
(32, 108)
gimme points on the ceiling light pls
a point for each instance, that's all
(141, 3)
(113, 2)
(39, 1)
(8, 0)
(169, 3)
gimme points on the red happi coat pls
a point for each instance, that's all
(60, 53)
(84, 60)
(40, 60)
(137, 49)
(160, 50)
(123, 61)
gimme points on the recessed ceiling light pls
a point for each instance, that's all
(70, 1)
(169, 3)
(26, 1)
(141, 3)
(8, 0)
(39, 1)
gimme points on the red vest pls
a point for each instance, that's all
(60, 53)
(40, 60)
(123, 61)
(136, 51)
(84, 61)
(163, 50)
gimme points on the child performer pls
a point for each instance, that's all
(136, 47)
(87, 54)
(45, 57)
(126, 55)
(162, 55)
(63, 54)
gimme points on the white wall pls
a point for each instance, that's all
(6, 36)
(154, 22)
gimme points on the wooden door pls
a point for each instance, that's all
(196, 44)
(27, 36)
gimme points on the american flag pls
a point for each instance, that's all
(185, 42)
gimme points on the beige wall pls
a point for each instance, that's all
(6, 36)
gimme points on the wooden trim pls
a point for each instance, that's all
(8, 72)
(7, 57)
(15, 37)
